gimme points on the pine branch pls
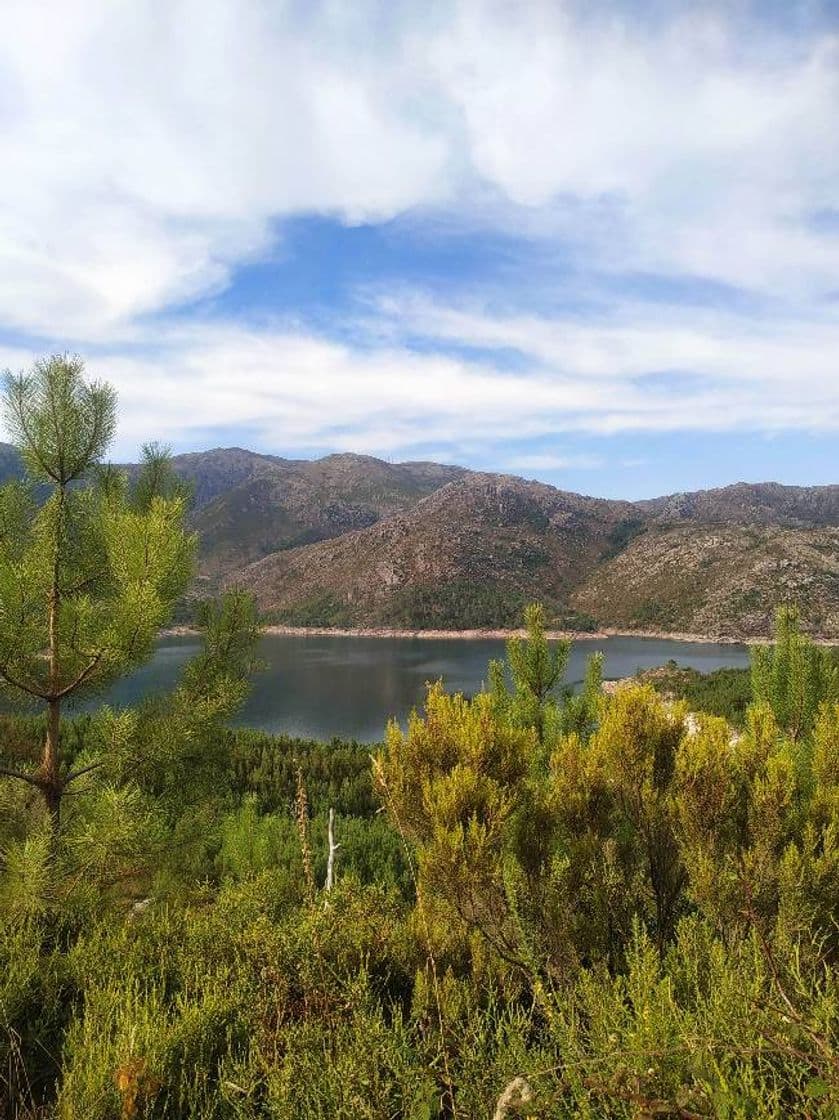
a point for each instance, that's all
(30, 779)
(9, 679)
(83, 584)
(32, 444)
(80, 679)
(71, 777)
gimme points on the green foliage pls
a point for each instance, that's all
(60, 423)
(589, 904)
(723, 692)
(577, 621)
(580, 711)
(174, 747)
(794, 675)
(622, 536)
(699, 1033)
(537, 668)
(656, 613)
(455, 605)
(336, 774)
(90, 568)
(319, 610)
(111, 566)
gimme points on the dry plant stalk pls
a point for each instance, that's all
(302, 814)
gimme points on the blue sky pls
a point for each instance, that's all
(596, 244)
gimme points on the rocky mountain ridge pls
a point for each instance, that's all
(470, 554)
(744, 503)
(350, 540)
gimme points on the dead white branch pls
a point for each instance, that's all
(333, 848)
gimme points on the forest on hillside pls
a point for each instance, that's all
(523, 903)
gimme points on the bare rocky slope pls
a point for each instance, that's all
(248, 505)
(470, 554)
(744, 503)
(717, 579)
(716, 562)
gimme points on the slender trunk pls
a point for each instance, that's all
(52, 784)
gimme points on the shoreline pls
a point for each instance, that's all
(490, 634)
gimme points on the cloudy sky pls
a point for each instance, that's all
(593, 243)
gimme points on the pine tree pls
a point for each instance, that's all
(90, 568)
(794, 676)
(537, 667)
(579, 713)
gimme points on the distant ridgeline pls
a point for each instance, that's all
(350, 540)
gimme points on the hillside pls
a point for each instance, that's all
(763, 503)
(468, 555)
(717, 562)
(247, 505)
(721, 580)
(351, 540)
(270, 504)
(217, 473)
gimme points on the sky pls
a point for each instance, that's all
(591, 243)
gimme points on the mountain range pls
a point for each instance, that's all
(350, 540)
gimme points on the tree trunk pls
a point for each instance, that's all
(51, 783)
(53, 786)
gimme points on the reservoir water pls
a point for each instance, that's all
(320, 687)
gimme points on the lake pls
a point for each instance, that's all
(320, 687)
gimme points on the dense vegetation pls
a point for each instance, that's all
(722, 692)
(458, 604)
(557, 906)
(453, 605)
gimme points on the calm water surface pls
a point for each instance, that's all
(349, 687)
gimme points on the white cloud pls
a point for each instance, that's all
(711, 145)
(283, 390)
(149, 149)
(637, 342)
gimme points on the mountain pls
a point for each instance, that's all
(248, 506)
(724, 579)
(470, 554)
(214, 474)
(763, 503)
(719, 562)
(352, 540)
(715, 562)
